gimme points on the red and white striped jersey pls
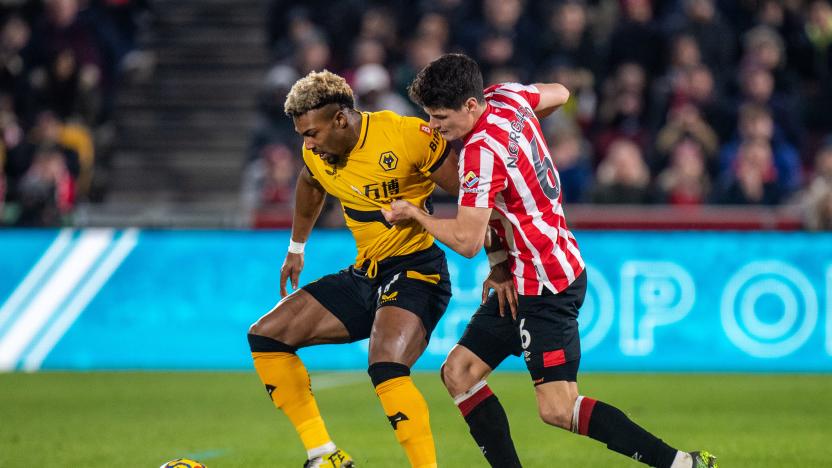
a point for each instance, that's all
(505, 165)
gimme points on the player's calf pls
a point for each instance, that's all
(406, 410)
(557, 413)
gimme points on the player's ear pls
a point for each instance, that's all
(470, 104)
(341, 120)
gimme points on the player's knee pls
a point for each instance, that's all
(255, 329)
(456, 376)
(556, 414)
(278, 325)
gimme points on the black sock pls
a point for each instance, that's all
(611, 426)
(489, 426)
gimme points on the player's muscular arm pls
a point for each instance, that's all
(309, 200)
(465, 234)
(552, 96)
(447, 176)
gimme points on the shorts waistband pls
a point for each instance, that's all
(392, 262)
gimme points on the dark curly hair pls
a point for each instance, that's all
(447, 82)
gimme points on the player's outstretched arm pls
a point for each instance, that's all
(464, 234)
(552, 96)
(309, 200)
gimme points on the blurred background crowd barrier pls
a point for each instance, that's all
(169, 112)
(147, 299)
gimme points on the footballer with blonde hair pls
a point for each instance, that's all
(397, 289)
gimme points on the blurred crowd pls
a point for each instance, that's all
(680, 102)
(61, 62)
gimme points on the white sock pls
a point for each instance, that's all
(682, 460)
(324, 449)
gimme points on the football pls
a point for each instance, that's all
(182, 463)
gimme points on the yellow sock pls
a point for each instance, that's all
(287, 380)
(408, 413)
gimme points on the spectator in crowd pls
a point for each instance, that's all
(756, 123)
(420, 51)
(717, 41)
(269, 181)
(376, 25)
(622, 112)
(757, 87)
(365, 51)
(685, 123)
(763, 47)
(46, 191)
(686, 180)
(65, 61)
(372, 91)
(435, 25)
(817, 199)
(14, 35)
(500, 40)
(572, 155)
(622, 177)
(272, 124)
(753, 180)
(702, 92)
(313, 54)
(568, 38)
(637, 39)
(814, 60)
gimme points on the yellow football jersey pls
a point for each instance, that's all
(392, 160)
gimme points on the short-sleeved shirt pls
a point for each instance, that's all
(393, 159)
(506, 165)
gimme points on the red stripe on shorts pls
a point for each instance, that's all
(554, 358)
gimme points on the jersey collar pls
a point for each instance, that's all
(479, 123)
(362, 136)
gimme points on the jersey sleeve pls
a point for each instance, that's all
(528, 93)
(483, 176)
(426, 148)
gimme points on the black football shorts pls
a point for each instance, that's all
(417, 282)
(545, 333)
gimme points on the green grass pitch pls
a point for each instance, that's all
(226, 420)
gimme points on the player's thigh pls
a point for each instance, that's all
(548, 327)
(300, 320)
(489, 336)
(410, 302)
(462, 370)
(398, 335)
(336, 308)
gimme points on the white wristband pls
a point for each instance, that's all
(296, 247)
(497, 257)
